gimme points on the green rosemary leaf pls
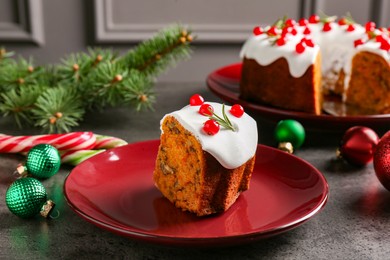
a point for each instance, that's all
(225, 122)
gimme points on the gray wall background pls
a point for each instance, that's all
(48, 30)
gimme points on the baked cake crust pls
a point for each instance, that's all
(301, 94)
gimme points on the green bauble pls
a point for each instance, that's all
(43, 161)
(26, 197)
(290, 131)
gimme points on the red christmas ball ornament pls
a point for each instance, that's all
(382, 160)
(358, 145)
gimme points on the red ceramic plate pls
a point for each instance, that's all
(224, 82)
(115, 191)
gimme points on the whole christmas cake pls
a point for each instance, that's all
(292, 65)
(206, 156)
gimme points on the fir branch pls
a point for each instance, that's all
(105, 86)
(48, 76)
(58, 110)
(5, 55)
(76, 67)
(155, 55)
(55, 97)
(139, 92)
(18, 102)
(18, 73)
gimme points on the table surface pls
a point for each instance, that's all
(353, 225)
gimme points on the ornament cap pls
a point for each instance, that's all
(47, 208)
(286, 146)
(21, 171)
(339, 154)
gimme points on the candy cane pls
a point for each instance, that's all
(107, 142)
(103, 142)
(76, 157)
(70, 141)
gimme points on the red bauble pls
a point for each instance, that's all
(382, 160)
(358, 145)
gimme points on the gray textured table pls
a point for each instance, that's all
(354, 224)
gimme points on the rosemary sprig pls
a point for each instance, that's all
(324, 18)
(225, 122)
(348, 18)
(280, 23)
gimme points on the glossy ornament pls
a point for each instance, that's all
(290, 131)
(358, 145)
(382, 160)
(43, 161)
(26, 197)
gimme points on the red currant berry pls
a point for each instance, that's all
(358, 42)
(370, 26)
(314, 18)
(379, 38)
(237, 110)
(351, 28)
(327, 27)
(300, 47)
(290, 22)
(294, 31)
(303, 22)
(306, 31)
(342, 21)
(196, 100)
(272, 30)
(211, 127)
(281, 41)
(309, 42)
(385, 45)
(257, 30)
(285, 31)
(206, 110)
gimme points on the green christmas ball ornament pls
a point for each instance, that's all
(43, 161)
(26, 197)
(290, 134)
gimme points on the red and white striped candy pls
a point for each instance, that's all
(103, 142)
(70, 141)
(108, 142)
(76, 157)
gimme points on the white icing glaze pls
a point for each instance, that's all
(336, 46)
(265, 52)
(230, 149)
